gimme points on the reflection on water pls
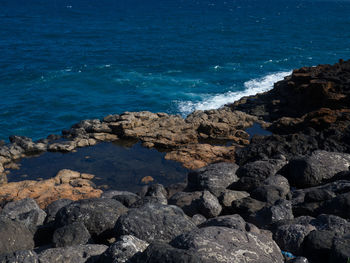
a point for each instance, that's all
(256, 129)
(120, 166)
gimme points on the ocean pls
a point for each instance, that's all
(67, 60)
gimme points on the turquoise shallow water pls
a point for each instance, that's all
(66, 60)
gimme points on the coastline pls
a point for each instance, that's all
(283, 189)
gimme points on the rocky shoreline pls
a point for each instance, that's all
(283, 197)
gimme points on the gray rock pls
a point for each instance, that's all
(25, 211)
(269, 193)
(281, 210)
(54, 207)
(175, 188)
(27, 144)
(112, 193)
(71, 235)
(214, 177)
(316, 169)
(14, 236)
(125, 197)
(157, 190)
(127, 200)
(162, 252)
(222, 244)
(228, 196)
(280, 181)
(290, 237)
(317, 245)
(149, 200)
(123, 250)
(230, 221)
(159, 223)
(331, 223)
(209, 205)
(20, 256)
(99, 215)
(339, 205)
(340, 252)
(253, 174)
(197, 203)
(187, 201)
(74, 254)
(198, 219)
(246, 206)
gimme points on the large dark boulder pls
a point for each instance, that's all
(340, 252)
(339, 206)
(154, 222)
(317, 245)
(99, 215)
(266, 147)
(14, 236)
(290, 237)
(162, 252)
(26, 211)
(54, 207)
(281, 210)
(74, 254)
(123, 250)
(310, 201)
(316, 169)
(20, 256)
(71, 235)
(222, 244)
(338, 225)
(214, 177)
(230, 221)
(253, 174)
(246, 207)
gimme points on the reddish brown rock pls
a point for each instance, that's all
(194, 156)
(66, 185)
(321, 119)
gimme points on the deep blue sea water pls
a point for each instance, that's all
(66, 60)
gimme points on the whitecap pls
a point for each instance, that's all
(252, 87)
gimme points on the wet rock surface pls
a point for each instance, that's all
(67, 184)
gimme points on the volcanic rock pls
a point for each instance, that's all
(71, 235)
(14, 236)
(317, 168)
(99, 215)
(214, 177)
(123, 250)
(46, 191)
(159, 223)
(74, 254)
(222, 244)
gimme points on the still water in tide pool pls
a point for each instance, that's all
(119, 166)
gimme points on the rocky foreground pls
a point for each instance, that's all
(278, 198)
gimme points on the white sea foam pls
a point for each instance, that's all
(252, 87)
